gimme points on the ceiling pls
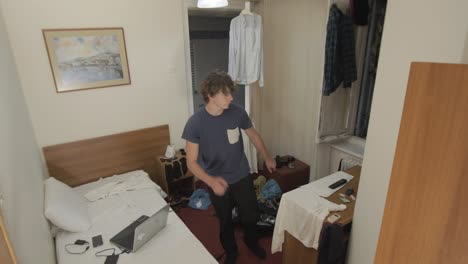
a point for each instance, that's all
(232, 10)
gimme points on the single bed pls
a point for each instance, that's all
(125, 159)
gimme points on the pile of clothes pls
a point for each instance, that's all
(268, 198)
(268, 194)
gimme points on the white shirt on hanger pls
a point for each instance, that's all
(246, 49)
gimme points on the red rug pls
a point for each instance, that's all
(204, 225)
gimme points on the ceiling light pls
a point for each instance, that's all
(211, 3)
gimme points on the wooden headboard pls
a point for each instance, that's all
(84, 161)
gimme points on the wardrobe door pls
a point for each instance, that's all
(426, 212)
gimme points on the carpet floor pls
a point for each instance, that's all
(204, 225)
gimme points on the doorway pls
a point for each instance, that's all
(206, 33)
(209, 50)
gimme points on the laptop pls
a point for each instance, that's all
(135, 235)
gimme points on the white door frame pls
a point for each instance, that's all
(234, 5)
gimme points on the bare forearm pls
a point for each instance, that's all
(199, 172)
(257, 140)
(217, 184)
(259, 145)
(193, 166)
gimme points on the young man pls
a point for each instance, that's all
(215, 154)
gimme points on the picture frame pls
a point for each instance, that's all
(87, 58)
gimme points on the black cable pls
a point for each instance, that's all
(98, 254)
(122, 251)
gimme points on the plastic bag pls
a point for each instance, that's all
(271, 189)
(200, 200)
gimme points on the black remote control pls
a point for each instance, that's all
(337, 184)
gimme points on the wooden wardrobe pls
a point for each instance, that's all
(426, 212)
(7, 256)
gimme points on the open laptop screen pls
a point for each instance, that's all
(135, 235)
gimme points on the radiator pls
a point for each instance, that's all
(348, 163)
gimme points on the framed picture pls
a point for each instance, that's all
(87, 58)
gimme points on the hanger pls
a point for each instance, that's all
(342, 5)
(246, 10)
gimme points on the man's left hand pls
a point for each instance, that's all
(270, 165)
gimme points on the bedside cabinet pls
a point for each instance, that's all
(289, 178)
(171, 177)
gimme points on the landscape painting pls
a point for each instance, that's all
(87, 58)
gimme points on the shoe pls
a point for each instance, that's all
(257, 250)
(230, 258)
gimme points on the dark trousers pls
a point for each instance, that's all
(242, 195)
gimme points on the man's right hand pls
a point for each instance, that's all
(219, 186)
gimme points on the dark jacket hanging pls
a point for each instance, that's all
(340, 60)
(332, 248)
(360, 11)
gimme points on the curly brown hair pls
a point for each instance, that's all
(216, 81)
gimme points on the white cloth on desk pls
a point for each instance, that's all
(301, 213)
(321, 188)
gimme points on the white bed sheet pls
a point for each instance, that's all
(174, 244)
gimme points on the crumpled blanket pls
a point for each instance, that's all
(137, 181)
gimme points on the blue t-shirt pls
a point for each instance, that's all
(220, 144)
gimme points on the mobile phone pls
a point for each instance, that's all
(333, 218)
(97, 241)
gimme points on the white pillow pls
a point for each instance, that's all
(64, 207)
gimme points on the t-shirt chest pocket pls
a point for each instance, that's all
(233, 135)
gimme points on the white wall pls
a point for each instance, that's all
(294, 41)
(155, 49)
(21, 172)
(420, 30)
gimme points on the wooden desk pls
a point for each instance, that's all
(347, 215)
(295, 252)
